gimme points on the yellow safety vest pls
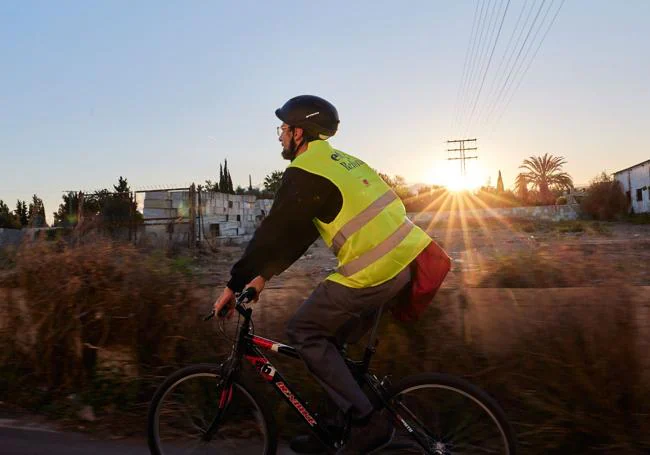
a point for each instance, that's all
(371, 236)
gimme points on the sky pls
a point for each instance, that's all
(162, 92)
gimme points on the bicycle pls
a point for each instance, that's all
(203, 408)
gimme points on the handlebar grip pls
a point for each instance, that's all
(246, 296)
(249, 294)
(224, 311)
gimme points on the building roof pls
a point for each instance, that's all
(628, 168)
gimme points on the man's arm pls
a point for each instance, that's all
(288, 231)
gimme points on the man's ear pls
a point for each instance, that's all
(297, 134)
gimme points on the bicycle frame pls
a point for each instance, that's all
(249, 347)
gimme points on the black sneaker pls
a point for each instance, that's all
(309, 443)
(374, 435)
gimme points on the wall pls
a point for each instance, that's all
(546, 212)
(10, 237)
(634, 179)
(219, 216)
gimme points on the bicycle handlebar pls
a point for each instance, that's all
(245, 297)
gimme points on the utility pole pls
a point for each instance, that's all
(461, 156)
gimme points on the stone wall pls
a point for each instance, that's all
(546, 212)
(218, 216)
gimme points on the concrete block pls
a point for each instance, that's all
(156, 195)
(159, 213)
(157, 204)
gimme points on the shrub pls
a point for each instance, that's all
(605, 199)
(83, 300)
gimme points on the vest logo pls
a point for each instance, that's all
(335, 156)
(366, 182)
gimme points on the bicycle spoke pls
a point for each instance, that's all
(447, 421)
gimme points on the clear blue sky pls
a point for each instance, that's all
(162, 92)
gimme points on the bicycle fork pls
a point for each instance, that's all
(224, 390)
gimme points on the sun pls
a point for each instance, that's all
(458, 183)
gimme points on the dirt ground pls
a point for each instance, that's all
(599, 254)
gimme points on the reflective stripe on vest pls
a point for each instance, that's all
(361, 220)
(377, 252)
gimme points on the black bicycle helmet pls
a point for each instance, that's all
(318, 117)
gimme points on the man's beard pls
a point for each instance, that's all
(290, 153)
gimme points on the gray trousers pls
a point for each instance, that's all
(334, 314)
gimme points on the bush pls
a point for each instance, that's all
(86, 300)
(605, 199)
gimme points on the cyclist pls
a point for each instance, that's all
(329, 193)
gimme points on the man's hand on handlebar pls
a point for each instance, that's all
(225, 303)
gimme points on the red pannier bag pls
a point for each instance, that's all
(428, 271)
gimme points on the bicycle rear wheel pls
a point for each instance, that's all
(440, 414)
(188, 402)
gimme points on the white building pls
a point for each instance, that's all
(635, 181)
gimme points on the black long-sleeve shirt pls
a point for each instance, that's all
(288, 231)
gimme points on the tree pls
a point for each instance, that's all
(118, 208)
(21, 213)
(67, 213)
(273, 181)
(521, 187)
(37, 213)
(545, 173)
(500, 188)
(605, 199)
(8, 219)
(250, 183)
(227, 179)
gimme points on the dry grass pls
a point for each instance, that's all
(82, 303)
(575, 384)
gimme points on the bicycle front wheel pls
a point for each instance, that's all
(191, 401)
(439, 414)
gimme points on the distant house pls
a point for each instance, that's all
(635, 181)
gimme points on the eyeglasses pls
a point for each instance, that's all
(282, 129)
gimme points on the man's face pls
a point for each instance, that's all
(285, 134)
(289, 138)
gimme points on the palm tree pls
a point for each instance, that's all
(545, 172)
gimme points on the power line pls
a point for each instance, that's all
(472, 60)
(493, 86)
(465, 65)
(505, 83)
(478, 68)
(530, 63)
(487, 67)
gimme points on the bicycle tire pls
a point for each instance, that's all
(207, 370)
(463, 388)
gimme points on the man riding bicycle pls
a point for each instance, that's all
(329, 193)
